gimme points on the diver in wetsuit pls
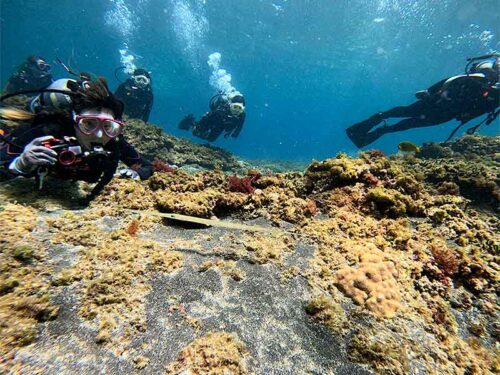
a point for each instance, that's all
(137, 95)
(227, 114)
(73, 132)
(462, 97)
(32, 74)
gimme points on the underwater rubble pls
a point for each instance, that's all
(373, 264)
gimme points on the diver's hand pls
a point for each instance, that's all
(129, 173)
(422, 95)
(35, 155)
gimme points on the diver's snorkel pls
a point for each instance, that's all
(122, 68)
(83, 76)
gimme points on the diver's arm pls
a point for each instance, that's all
(431, 91)
(7, 155)
(130, 156)
(121, 91)
(148, 107)
(239, 126)
(434, 89)
(207, 119)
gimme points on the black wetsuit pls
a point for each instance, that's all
(462, 98)
(100, 168)
(27, 77)
(213, 123)
(138, 101)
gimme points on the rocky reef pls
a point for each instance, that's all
(372, 264)
(153, 142)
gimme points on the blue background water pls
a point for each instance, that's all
(308, 68)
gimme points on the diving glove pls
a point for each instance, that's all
(34, 155)
(129, 173)
(422, 95)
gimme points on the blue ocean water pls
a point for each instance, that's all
(308, 68)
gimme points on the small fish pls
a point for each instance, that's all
(407, 146)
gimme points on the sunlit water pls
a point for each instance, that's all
(308, 68)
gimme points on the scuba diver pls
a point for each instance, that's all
(227, 114)
(137, 95)
(32, 74)
(463, 97)
(73, 132)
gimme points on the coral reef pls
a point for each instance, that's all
(153, 143)
(468, 165)
(401, 259)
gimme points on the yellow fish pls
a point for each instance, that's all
(407, 146)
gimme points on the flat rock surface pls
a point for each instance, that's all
(264, 310)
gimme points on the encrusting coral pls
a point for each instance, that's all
(372, 283)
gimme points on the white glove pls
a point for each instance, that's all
(33, 156)
(129, 173)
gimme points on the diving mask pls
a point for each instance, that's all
(42, 65)
(90, 124)
(141, 80)
(236, 109)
